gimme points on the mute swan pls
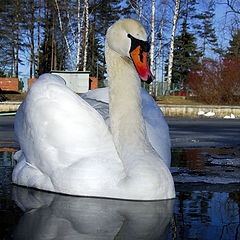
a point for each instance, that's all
(66, 146)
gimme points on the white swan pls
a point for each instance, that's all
(67, 147)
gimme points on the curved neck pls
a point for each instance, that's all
(127, 124)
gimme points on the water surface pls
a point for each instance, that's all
(200, 211)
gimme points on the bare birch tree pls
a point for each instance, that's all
(140, 4)
(170, 58)
(160, 44)
(38, 35)
(86, 7)
(152, 44)
(79, 21)
(79, 38)
(64, 35)
(152, 36)
(32, 45)
(16, 43)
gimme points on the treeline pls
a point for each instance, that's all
(45, 35)
(201, 65)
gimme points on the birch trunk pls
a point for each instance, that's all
(170, 58)
(152, 49)
(38, 34)
(158, 62)
(32, 56)
(17, 40)
(16, 52)
(64, 35)
(53, 47)
(86, 35)
(140, 10)
(12, 58)
(78, 33)
(152, 36)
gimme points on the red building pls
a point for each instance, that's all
(9, 84)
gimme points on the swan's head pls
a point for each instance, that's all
(128, 38)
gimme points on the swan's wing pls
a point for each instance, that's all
(99, 94)
(157, 127)
(65, 144)
(53, 122)
(99, 100)
(100, 107)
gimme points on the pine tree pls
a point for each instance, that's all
(206, 31)
(186, 56)
(234, 48)
(185, 51)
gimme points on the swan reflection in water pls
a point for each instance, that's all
(54, 216)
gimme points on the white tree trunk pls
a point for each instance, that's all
(152, 36)
(170, 58)
(140, 6)
(152, 49)
(78, 33)
(86, 35)
(64, 36)
(158, 62)
(38, 35)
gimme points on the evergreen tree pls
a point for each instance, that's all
(205, 29)
(186, 56)
(234, 48)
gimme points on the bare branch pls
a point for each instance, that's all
(233, 7)
(170, 59)
(86, 35)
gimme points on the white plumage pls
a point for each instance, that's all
(67, 147)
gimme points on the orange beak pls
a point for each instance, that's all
(139, 58)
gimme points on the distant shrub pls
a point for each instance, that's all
(216, 82)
